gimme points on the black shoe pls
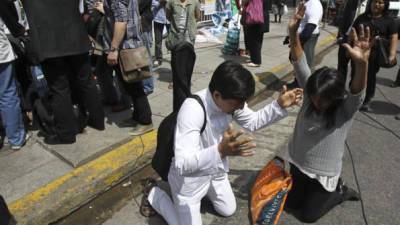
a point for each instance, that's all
(348, 194)
(286, 41)
(395, 84)
(55, 140)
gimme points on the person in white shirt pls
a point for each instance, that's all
(200, 165)
(309, 32)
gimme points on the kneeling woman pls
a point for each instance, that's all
(316, 149)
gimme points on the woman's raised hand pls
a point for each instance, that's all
(361, 44)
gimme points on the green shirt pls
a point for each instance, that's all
(175, 7)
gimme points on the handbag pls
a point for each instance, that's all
(383, 50)
(269, 193)
(254, 12)
(134, 64)
(285, 9)
(174, 39)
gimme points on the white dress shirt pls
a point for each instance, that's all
(196, 155)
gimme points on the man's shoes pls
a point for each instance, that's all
(395, 84)
(157, 63)
(286, 41)
(130, 122)
(365, 107)
(348, 194)
(55, 140)
(18, 147)
(250, 64)
(141, 129)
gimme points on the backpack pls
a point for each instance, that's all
(269, 193)
(161, 161)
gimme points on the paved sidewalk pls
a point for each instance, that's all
(42, 183)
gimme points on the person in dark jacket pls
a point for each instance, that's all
(254, 34)
(60, 42)
(347, 19)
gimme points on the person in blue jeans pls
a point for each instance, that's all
(10, 109)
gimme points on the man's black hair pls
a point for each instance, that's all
(326, 83)
(233, 81)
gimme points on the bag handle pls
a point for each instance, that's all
(204, 110)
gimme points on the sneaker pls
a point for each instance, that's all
(18, 147)
(141, 129)
(348, 194)
(157, 63)
(395, 84)
(252, 65)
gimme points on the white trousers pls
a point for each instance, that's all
(185, 210)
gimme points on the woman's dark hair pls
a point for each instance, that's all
(328, 84)
(233, 81)
(385, 10)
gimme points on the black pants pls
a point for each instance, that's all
(309, 49)
(308, 200)
(397, 81)
(158, 34)
(373, 69)
(62, 73)
(343, 60)
(141, 107)
(254, 38)
(182, 63)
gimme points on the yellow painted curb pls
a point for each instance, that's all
(78, 185)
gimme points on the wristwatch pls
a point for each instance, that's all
(113, 49)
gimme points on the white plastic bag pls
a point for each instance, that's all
(285, 9)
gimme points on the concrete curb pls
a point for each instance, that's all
(64, 195)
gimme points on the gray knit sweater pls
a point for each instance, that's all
(313, 147)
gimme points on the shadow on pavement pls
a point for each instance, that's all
(385, 108)
(384, 81)
(165, 74)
